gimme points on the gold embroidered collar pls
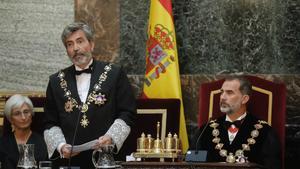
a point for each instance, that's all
(95, 96)
(232, 158)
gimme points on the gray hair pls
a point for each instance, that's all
(15, 101)
(73, 27)
(245, 84)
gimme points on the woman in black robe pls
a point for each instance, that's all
(19, 112)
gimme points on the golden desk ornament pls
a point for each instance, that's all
(141, 143)
(148, 148)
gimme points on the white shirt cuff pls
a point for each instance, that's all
(118, 131)
(54, 138)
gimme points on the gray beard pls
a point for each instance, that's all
(226, 110)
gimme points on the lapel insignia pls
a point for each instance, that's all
(69, 106)
(63, 84)
(99, 99)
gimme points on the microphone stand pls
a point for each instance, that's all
(197, 155)
(73, 140)
(200, 136)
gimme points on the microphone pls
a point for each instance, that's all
(197, 155)
(73, 140)
(200, 135)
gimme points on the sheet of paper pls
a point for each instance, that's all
(83, 147)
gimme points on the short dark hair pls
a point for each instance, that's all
(245, 84)
(73, 27)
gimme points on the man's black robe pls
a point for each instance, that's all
(120, 104)
(266, 151)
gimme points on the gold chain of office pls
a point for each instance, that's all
(231, 158)
(95, 96)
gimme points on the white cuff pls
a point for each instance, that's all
(118, 131)
(54, 138)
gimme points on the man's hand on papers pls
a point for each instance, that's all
(103, 140)
(66, 151)
(83, 147)
(94, 144)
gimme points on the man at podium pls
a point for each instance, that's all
(88, 101)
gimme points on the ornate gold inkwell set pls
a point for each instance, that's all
(150, 148)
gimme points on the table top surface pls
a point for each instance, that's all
(136, 163)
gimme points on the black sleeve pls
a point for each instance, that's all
(8, 164)
(50, 109)
(9, 152)
(2, 154)
(272, 151)
(40, 148)
(126, 104)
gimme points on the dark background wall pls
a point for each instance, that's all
(213, 36)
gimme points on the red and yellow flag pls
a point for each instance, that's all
(162, 78)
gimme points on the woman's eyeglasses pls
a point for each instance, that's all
(25, 113)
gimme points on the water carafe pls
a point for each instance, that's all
(26, 156)
(103, 157)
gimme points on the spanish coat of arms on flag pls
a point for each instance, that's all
(162, 78)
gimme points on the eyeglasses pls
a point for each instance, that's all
(25, 113)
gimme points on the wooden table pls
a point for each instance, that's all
(186, 165)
